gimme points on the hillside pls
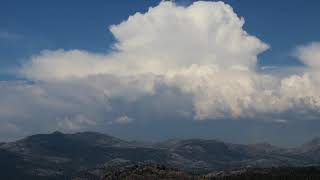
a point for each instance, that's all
(60, 155)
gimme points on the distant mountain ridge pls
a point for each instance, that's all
(60, 155)
(314, 144)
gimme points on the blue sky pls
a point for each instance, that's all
(79, 30)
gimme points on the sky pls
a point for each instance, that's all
(240, 71)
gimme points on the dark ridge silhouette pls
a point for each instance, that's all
(59, 155)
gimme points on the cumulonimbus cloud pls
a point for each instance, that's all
(202, 50)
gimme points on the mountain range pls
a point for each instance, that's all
(66, 156)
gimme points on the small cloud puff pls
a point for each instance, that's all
(79, 122)
(122, 120)
(309, 54)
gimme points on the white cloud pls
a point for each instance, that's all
(123, 120)
(309, 54)
(201, 50)
(79, 122)
(172, 38)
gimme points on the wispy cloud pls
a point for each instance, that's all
(9, 36)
